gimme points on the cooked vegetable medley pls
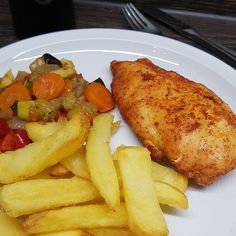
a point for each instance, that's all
(46, 93)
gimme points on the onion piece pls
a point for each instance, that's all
(16, 123)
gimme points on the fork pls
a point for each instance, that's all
(137, 20)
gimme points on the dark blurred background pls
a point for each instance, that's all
(216, 19)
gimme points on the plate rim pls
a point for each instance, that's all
(211, 62)
(115, 34)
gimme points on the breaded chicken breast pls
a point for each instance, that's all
(176, 119)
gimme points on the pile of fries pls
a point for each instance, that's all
(68, 182)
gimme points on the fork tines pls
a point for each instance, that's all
(137, 20)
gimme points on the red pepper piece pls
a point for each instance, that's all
(22, 138)
(4, 128)
(7, 143)
(13, 141)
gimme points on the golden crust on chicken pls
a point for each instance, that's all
(176, 119)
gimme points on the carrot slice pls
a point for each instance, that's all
(68, 87)
(48, 86)
(99, 95)
(14, 92)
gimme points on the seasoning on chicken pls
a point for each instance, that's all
(176, 119)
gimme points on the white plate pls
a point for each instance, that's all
(212, 210)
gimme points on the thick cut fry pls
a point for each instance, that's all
(67, 218)
(144, 213)
(166, 194)
(38, 130)
(58, 170)
(42, 175)
(29, 196)
(171, 196)
(169, 176)
(99, 160)
(9, 226)
(67, 233)
(111, 232)
(115, 126)
(36, 157)
(76, 163)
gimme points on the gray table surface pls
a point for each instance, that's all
(214, 19)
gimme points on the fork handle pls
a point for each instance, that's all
(186, 31)
(218, 50)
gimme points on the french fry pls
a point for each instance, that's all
(58, 170)
(166, 194)
(74, 205)
(171, 196)
(144, 213)
(29, 196)
(76, 163)
(40, 130)
(99, 160)
(111, 232)
(42, 175)
(9, 226)
(166, 175)
(115, 126)
(36, 157)
(74, 217)
(67, 233)
(78, 166)
(169, 176)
